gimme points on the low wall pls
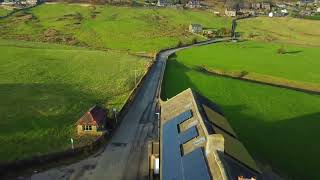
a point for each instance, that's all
(265, 80)
(14, 168)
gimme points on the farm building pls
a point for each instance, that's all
(197, 142)
(92, 122)
(32, 2)
(256, 5)
(161, 3)
(266, 6)
(230, 13)
(195, 28)
(193, 4)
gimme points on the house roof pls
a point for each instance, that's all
(194, 133)
(94, 116)
(196, 25)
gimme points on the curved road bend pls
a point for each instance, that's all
(124, 157)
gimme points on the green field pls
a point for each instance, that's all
(45, 88)
(298, 63)
(278, 126)
(4, 12)
(316, 17)
(283, 30)
(128, 28)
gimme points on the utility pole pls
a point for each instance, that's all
(135, 77)
(72, 146)
(115, 114)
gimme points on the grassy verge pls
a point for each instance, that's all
(136, 29)
(45, 88)
(278, 126)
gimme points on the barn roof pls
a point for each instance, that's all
(94, 116)
(197, 142)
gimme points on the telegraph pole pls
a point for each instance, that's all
(135, 77)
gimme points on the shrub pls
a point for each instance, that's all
(281, 50)
(194, 40)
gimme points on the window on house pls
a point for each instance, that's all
(87, 128)
(83, 127)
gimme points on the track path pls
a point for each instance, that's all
(125, 156)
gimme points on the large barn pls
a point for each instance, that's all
(197, 142)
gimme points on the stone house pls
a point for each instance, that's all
(193, 4)
(92, 122)
(32, 2)
(266, 6)
(230, 13)
(161, 3)
(195, 28)
(256, 6)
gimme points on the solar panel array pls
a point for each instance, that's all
(175, 165)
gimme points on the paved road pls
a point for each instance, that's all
(125, 156)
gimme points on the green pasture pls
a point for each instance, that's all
(281, 29)
(279, 127)
(134, 29)
(45, 88)
(297, 63)
(315, 17)
(4, 12)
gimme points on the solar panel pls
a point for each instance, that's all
(175, 166)
(195, 166)
(171, 155)
(183, 117)
(188, 135)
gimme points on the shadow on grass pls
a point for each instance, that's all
(290, 146)
(292, 52)
(39, 118)
(181, 82)
(284, 144)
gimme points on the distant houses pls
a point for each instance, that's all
(19, 4)
(93, 122)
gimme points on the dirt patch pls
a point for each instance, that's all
(55, 36)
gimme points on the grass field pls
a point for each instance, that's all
(127, 28)
(284, 30)
(278, 126)
(4, 12)
(316, 17)
(45, 88)
(298, 63)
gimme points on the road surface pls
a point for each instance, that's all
(125, 156)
